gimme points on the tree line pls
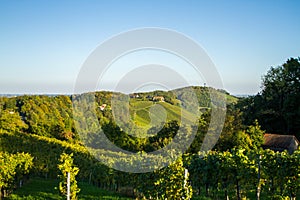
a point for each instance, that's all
(277, 105)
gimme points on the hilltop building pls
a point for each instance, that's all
(158, 98)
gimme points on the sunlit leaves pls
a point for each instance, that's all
(12, 168)
(66, 166)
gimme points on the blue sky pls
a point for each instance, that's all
(43, 44)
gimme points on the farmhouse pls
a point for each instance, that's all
(281, 142)
(133, 96)
(158, 98)
(102, 107)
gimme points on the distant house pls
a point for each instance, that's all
(158, 98)
(280, 143)
(102, 107)
(133, 96)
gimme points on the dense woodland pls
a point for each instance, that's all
(35, 130)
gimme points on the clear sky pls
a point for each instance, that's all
(43, 44)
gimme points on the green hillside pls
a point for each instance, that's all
(146, 111)
(176, 105)
(141, 115)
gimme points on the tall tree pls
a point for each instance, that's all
(277, 107)
(10, 121)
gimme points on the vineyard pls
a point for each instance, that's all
(215, 175)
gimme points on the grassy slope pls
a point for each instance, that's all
(40, 189)
(139, 109)
(231, 99)
(141, 116)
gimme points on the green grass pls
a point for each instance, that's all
(142, 117)
(139, 111)
(41, 189)
(44, 189)
(141, 104)
(231, 99)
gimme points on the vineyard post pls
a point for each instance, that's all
(258, 179)
(68, 186)
(185, 181)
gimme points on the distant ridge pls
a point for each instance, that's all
(10, 95)
(243, 95)
(18, 95)
(138, 92)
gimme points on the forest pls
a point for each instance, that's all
(41, 136)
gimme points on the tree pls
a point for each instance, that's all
(277, 106)
(10, 121)
(201, 128)
(66, 166)
(256, 136)
(281, 88)
(232, 131)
